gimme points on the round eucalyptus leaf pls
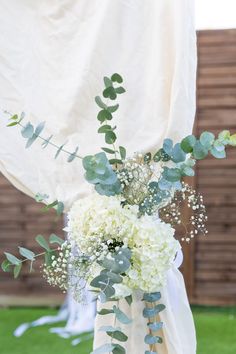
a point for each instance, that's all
(104, 115)
(118, 349)
(27, 131)
(232, 140)
(118, 335)
(207, 139)
(106, 348)
(188, 171)
(155, 326)
(171, 174)
(188, 143)
(168, 146)
(199, 151)
(117, 78)
(178, 155)
(100, 103)
(163, 184)
(121, 316)
(218, 154)
(100, 281)
(105, 128)
(152, 297)
(149, 339)
(110, 137)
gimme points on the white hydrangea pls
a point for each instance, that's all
(97, 220)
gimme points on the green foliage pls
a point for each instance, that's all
(152, 297)
(104, 312)
(149, 339)
(108, 151)
(122, 151)
(110, 137)
(188, 143)
(151, 310)
(16, 270)
(147, 157)
(106, 348)
(117, 78)
(40, 239)
(121, 316)
(100, 173)
(168, 146)
(27, 131)
(6, 265)
(169, 151)
(58, 206)
(129, 299)
(171, 174)
(12, 259)
(72, 156)
(178, 155)
(155, 326)
(14, 263)
(115, 162)
(105, 115)
(41, 197)
(118, 264)
(207, 139)
(56, 239)
(27, 253)
(47, 141)
(118, 335)
(111, 274)
(199, 151)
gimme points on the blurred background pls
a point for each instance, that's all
(210, 263)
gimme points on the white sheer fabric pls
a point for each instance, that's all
(54, 55)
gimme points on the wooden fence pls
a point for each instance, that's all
(210, 262)
(210, 266)
(21, 219)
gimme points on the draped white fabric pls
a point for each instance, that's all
(54, 55)
(53, 58)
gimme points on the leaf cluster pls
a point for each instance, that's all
(13, 263)
(111, 274)
(100, 173)
(151, 310)
(105, 115)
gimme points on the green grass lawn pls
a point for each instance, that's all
(216, 330)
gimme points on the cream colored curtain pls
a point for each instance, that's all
(53, 57)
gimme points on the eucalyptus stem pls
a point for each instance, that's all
(53, 144)
(37, 256)
(46, 140)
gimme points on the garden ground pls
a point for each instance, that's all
(216, 331)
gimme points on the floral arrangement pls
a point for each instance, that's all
(121, 238)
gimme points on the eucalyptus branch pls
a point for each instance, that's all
(29, 255)
(31, 134)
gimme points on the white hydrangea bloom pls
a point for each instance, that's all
(98, 220)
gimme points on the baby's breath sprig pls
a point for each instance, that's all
(197, 220)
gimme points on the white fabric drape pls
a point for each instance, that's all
(53, 58)
(54, 55)
(178, 332)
